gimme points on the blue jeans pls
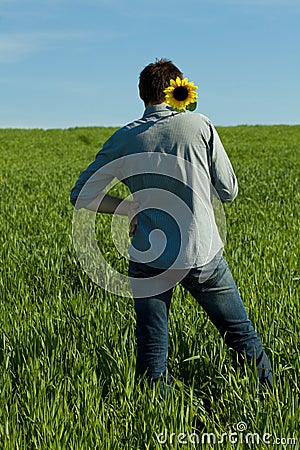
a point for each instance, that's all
(219, 297)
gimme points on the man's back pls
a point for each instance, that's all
(172, 163)
(167, 163)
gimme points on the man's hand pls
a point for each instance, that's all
(132, 217)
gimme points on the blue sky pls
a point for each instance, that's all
(66, 63)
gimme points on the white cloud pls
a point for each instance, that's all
(15, 48)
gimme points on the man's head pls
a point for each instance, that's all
(156, 77)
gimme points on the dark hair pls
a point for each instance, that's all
(156, 77)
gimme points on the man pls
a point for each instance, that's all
(173, 163)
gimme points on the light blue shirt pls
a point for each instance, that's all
(173, 163)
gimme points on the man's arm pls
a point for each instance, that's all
(223, 176)
(109, 204)
(88, 191)
(99, 173)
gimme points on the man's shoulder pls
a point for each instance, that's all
(129, 129)
(198, 117)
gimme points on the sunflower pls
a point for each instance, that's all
(181, 95)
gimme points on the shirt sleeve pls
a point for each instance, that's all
(222, 173)
(97, 175)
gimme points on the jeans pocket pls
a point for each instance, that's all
(136, 273)
(212, 279)
(203, 280)
(140, 270)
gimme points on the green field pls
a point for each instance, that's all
(67, 351)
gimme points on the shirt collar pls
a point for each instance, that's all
(162, 108)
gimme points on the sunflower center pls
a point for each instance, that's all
(180, 93)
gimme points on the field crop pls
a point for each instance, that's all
(67, 347)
